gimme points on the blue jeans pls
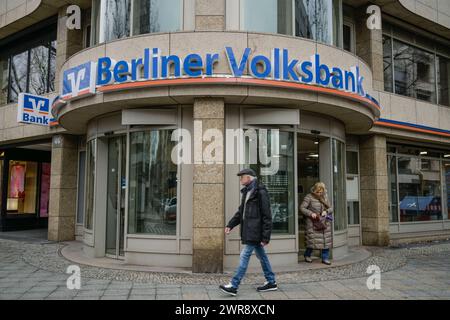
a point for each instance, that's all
(325, 253)
(243, 264)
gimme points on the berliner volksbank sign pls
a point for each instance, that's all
(86, 78)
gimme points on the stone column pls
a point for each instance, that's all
(369, 47)
(208, 194)
(69, 42)
(374, 191)
(210, 15)
(63, 188)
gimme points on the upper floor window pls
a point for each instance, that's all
(115, 19)
(28, 65)
(313, 19)
(415, 69)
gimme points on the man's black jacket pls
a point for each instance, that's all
(256, 223)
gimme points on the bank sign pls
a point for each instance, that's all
(85, 79)
(34, 109)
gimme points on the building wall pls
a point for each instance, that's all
(435, 10)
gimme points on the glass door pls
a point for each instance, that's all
(115, 207)
(308, 175)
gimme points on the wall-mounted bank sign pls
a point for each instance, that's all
(84, 79)
(34, 109)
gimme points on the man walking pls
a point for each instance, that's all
(255, 218)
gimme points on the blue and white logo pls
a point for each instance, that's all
(78, 81)
(34, 109)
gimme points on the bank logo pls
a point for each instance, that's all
(33, 109)
(78, 81)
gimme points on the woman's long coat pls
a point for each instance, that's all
(316, 239)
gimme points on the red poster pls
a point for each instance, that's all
(17, 181)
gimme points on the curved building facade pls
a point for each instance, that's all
(154, 106)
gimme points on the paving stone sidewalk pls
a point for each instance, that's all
(36, 270)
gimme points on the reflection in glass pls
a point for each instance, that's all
(4, 80)
(19, 67)
(446, 171)
(156, 16)
(339, 195)
(314, 19)
(39, 70)
(80, 186)
(414, 72)
(444, 81)
(90, 183)
(116, 15)
(280, 185)
(419, 189)
(267, 16)
(1, 182)
(52, 67)
(115, 207)
(387, 63)
(353, 212)
(392, 181)
(308, 174)
(153, 183)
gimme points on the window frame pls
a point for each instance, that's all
(44, 39)
(234, 21)
(442, 159)
(98, 25)
(388, 32)
(346, 21)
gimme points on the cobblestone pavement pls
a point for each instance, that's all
(36, 270)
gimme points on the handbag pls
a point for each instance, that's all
(319, 224)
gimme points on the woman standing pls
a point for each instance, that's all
(318, 212)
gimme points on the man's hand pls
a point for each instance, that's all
(227, 230)
(314, 215)
(263, 244)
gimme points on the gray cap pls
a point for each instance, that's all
(249, 172)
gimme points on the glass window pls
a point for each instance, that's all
(22, 188)
(353, 212)
(273, 16)
(39, 70)
(4, 80)
(81, 184)
(392, 181)
(153, 183)
(419, 189)
(352, 162)
(414, 72)
(317, 20)
(156, 16)
(115, 15)
(446, 169)
(313, 19)
(387, 63)
(90, 183)
(281, 184)
(348, 36)
(339, 194)
(30, 71)
(444, 81)
(52, 67)
(1, 181)
(18, 74)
